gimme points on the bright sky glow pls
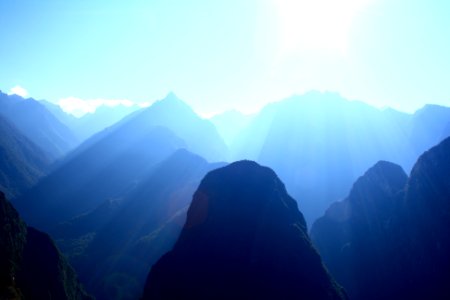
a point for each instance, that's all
(227, 54)
(318, 24)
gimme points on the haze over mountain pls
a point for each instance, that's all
(200, 135)
(113, 160)
(113, 189)
(318, 143)
(244, 238)
(22, 162)
(105, 170)
(230, 123)
(119, 200)
(389, 238)
(38, 125)
(124, 237)
(429, 126)
(31, 267)
(93, 122)
(144, 163)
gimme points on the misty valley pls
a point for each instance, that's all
(313, 197)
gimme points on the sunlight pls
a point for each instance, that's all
(316, 25)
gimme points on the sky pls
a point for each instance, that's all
(225, 54)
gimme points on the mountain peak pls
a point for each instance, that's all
(244, 238)
(433, 109)
(388, 178)
(171, 97)
(171, 103)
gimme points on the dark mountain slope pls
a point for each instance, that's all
(124, 238)
(22, 163)
(38, 124)
(354, 237)
(31, 267)
(319, 143)
(427, 206)
(244, 238)
(392, 242)
(106, 170)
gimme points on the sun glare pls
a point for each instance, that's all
(316, 24)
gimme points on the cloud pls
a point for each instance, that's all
(19, 91)
(80, 107)
(144, 104)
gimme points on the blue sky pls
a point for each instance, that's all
(218, 55)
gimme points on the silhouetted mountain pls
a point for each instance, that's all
(124, 238)
(31, 267)
(22, 163)
(392, 242)
(230, 123)
(427, 207)
(37, 124)
(319, 143)
(108, 169)
(244, 238)
(355, 236)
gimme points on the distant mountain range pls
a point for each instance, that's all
(102, 187)
(91, 123)
(39, 125)
(200, 135)
(118, 201)
(319, 143)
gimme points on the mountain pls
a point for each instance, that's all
(31, 265)
(229, 124)
(427, 217)
(244, 238)
(103, 117)
(390, 237)
(126, 186)
(22, 163)
(319, 143)
(107, 169)
(97, 183)
(124, 238)
(429, 126)
(38, 125)
(90, 123)
(200, 134)
(65, 118)
(354, 237)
